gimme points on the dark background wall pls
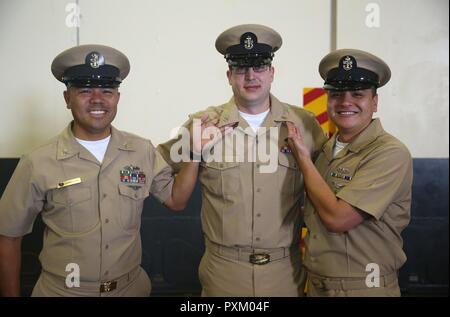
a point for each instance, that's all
(173, 242)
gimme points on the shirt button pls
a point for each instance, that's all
(258, 215)
(106, 247)
(257, 239)
(106, 272)
(104, 195)
(258, 165)
(106, 220)
(135, 195)
(258, 190)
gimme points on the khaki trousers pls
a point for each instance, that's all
(224, 275)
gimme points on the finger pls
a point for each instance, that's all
(210, 123)
(297, 133)
(226, 130)
(204, 117)
(214, 121)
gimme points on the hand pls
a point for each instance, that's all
(295, 142)
(204, 133)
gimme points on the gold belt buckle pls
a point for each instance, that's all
(108, 286)
(259, 258)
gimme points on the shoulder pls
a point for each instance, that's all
(388, 143)
(298, 113)
(212, 111)
(47, 149)
(388, 150)
(135, 140)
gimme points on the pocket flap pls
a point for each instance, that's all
(287, 160)
(132, 193)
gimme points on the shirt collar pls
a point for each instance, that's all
(230, 114)
(68, 146)
(367, 136)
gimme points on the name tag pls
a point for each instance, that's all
(69, 182)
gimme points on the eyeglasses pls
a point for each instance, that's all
(241, 70)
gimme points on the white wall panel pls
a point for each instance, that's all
(412, 38)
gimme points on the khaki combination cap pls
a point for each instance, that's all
(91, 66)
(248, 44)
(352, 69)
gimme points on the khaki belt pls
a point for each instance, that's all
(251, 255)
(102, 287)
(332, 283)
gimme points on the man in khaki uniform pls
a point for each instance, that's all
(89, 183)
(359, 191)
(250, 204)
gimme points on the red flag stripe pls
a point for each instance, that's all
(313, 94)
(322, 118)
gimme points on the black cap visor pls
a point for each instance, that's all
(106, 76)
(355, 79)
(249, 60)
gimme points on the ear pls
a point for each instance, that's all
(67, 98)
(375, 103)
(272, 73)
(229, 76)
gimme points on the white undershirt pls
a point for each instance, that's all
(338, 146)
(97, 148)
(254, 120)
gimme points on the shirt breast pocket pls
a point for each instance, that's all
(131, 204)
(71, 209)
(289, 178)
(221, 178)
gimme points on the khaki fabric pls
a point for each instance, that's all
(373, 174)
(247, 201)
(135, 284)
(223, 275)
(321, 286)
(94, 223)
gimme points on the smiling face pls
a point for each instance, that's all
(93, 110)
(351, 111)
(251, 88)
